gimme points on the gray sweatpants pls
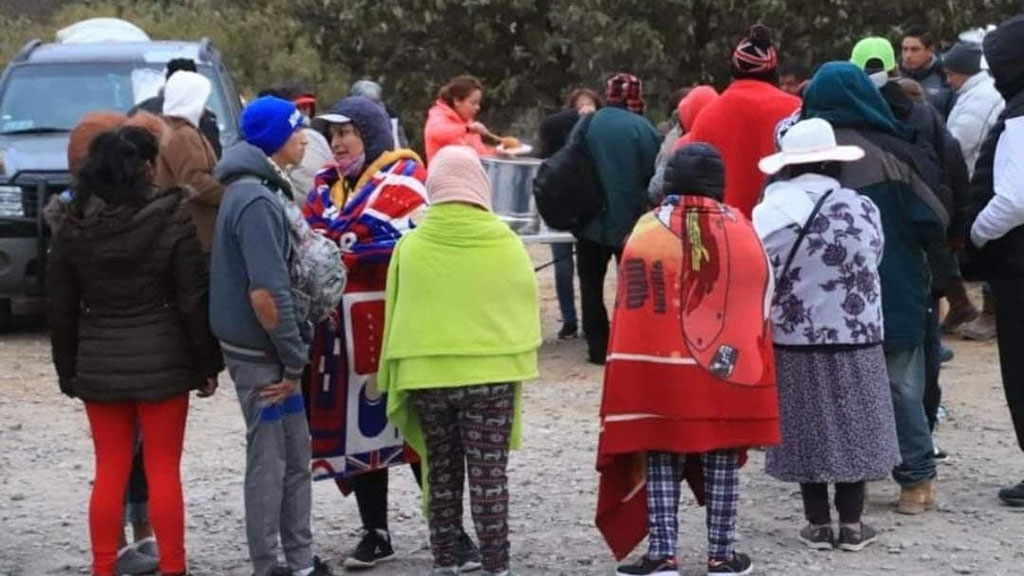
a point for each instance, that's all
(278, 489)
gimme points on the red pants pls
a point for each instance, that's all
(114, 426)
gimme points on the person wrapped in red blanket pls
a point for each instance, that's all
(690, 378)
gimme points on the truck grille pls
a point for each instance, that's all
(34, 184)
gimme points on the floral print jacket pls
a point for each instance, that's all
(831, 294)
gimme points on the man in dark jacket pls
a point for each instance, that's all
(207, 123)
(623, 146)
(924, 126)
(998, 230)
(253, 315)
(900, 178)
(920, 63)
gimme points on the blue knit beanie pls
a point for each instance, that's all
(268, 123)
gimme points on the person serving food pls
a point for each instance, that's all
(452, 121)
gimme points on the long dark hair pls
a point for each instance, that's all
(460, 88)
(118, 168)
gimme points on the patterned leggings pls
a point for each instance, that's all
(468, 426)
(722, 496)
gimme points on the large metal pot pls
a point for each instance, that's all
(512, 191)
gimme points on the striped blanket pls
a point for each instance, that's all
(348, 422)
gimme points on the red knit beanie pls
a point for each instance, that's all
(625, 90)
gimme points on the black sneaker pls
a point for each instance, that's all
(568, 332)
(818, 537)
(468, 555)
(738, 566)
(374, 548)
(320, 568)
(281, 571)
(852, 540)
(646, 567)
(1013, 496)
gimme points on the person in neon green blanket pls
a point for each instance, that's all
(461, 332)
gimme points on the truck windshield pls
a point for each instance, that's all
(54, 97)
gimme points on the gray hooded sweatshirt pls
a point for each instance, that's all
(251, 249)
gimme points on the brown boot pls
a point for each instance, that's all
(982, 330)
(961, 310)
(916, 499)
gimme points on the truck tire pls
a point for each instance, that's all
(6, 315)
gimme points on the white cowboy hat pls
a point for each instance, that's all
(807, 142)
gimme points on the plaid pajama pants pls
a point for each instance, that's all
(722, 496)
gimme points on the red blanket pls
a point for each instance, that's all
(690, 366)
(741, 125)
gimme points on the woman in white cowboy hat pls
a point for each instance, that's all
(825, 242)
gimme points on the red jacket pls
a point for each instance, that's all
(690, 363)
(741, 124)
(446, 128)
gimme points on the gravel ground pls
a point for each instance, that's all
(46, 467)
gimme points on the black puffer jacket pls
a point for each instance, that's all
(128, 291)
(695, 169)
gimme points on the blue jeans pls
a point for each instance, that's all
(906, 380)
(564, 273)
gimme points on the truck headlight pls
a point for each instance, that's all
(11, 202)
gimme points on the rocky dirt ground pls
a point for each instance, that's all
(46, 466)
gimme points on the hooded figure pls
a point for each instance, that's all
(741, 123)
(900, 179)
(998, 230)
(366, 199)
(155, 105)
(690, 378)
(373, 91)
(186, 158)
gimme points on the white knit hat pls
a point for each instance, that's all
(185, 96)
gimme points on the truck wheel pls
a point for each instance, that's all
(6, 315)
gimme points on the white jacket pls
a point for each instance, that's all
(1005, 211)
(977, 109)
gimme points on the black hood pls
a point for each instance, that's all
(112, 235)
(696, 170)
(1004, 52)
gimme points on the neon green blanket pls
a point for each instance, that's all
(461, 309)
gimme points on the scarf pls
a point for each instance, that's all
(690, 365)
(348, 423)
(462, 310)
